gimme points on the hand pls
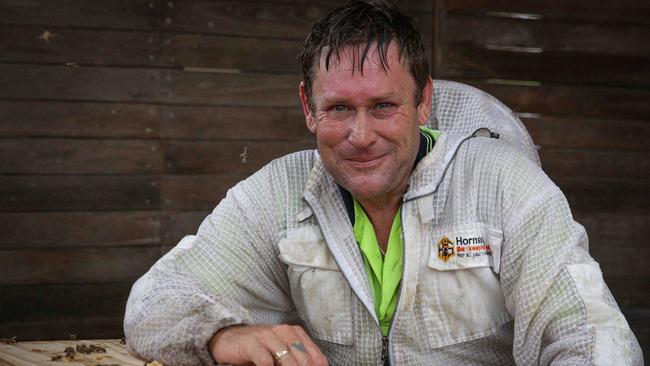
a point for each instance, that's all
(257, 345)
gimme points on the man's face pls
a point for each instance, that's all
(366, 126)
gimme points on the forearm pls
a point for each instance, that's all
(591, 331)
(171, 319)
(564, 312)
(228, 273)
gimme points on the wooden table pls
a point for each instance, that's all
(46, 353)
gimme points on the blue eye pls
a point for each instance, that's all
(383, 105)
(339, 108)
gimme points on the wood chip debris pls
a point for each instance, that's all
(152, 363)
(11, 340)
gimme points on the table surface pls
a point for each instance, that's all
(46, 352)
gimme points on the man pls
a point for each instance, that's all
(392, 244)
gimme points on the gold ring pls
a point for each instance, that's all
(280, 354)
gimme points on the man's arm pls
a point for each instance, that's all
(564, 313)
(169, 316)
(228, 274)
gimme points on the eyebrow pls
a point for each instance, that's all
(329, 100)
(388, 95)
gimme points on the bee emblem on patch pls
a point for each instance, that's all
(446, 249)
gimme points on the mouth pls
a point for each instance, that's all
(366, 162)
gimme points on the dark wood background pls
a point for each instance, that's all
(123, 123)
(578, 74)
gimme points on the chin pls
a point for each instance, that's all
(363, 185)
(365, 190)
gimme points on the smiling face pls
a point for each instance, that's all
(366, 125)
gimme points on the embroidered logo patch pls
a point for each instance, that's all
(446, 249)
(472, 247)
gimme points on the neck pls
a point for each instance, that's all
(381, 212)
(383, 207)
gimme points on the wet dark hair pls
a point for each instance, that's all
(361, 24)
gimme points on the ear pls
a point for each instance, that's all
(309, 116)
(424, 108)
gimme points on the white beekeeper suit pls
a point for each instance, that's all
(495, 269)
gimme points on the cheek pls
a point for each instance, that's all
(401, 132)
(331, 133)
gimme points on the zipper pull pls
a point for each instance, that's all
(490, 134)
(384, 350)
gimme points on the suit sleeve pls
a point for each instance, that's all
(226, 274)
(564, 313)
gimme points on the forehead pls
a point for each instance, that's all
(347, 66)
(354, 54)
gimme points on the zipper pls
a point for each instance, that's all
(386, 353)
(387, 340)
(384, 350)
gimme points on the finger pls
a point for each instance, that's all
(301, 354)
(291, 338)
(258, 355)
(317, 357)
(286, 358)
(275, 346)
(249, 351)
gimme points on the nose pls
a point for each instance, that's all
(362, 132)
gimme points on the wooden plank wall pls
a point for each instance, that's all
(122, 124)
(578, 74)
